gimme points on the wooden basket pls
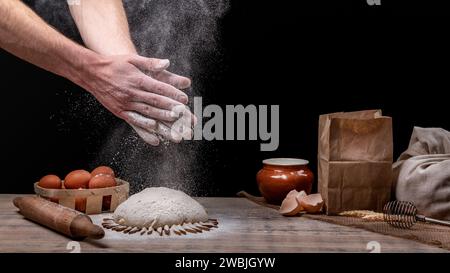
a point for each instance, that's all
(94, 197)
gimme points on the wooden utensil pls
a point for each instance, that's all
(59, 218)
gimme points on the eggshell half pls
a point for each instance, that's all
(299, 197)
(312, 203)
(290, 206)
(292, 193)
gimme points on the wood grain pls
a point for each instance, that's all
(243, 227)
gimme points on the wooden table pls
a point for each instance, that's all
(243, 227)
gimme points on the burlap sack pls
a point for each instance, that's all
(422, 173)
(355, 160)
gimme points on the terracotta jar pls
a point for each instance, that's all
(281, 175)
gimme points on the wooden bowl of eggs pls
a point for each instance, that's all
(89, 192)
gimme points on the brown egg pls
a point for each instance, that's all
(77, 179)
(80, 204)
(103, 181)
(50, 181)
(103, 170)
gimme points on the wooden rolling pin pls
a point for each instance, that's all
(64, 220)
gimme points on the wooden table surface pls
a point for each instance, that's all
(243, 227)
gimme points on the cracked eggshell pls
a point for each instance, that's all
(299, 196)
(290, 206)
(292, 193)
(312, 203)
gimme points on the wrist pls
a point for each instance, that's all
(82, 67)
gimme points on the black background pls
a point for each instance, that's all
(309, 57)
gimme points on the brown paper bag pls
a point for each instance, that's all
(355, 160)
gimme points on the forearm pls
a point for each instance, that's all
(27, 36)
(103, 26)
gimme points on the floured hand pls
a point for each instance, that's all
(147, 103)
(172, 131)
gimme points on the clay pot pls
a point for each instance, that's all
(281, 175)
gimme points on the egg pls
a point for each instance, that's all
(50, 181)
(77, 179)
(80, 204)
(103, 181)
(103, 170)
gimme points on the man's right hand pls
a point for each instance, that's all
(140, 91)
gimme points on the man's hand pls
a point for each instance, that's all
(104, 28)
(142, 92)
